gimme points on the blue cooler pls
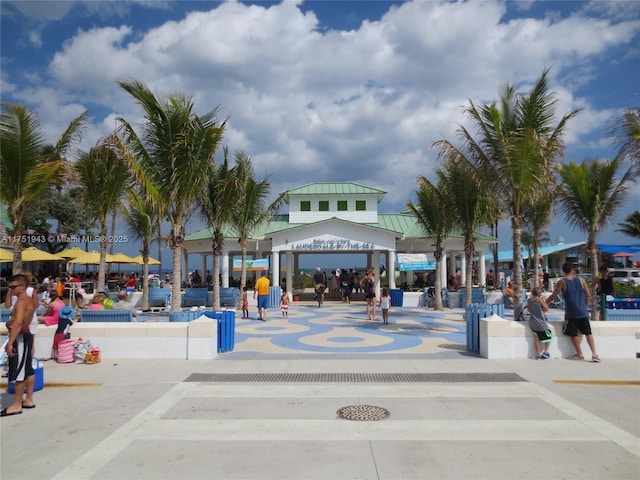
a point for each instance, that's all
(39, 373)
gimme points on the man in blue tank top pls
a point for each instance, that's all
(576, 296)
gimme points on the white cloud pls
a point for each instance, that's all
(363, 105)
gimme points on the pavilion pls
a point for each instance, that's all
(334, 218)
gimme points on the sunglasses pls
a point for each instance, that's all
(11, 287)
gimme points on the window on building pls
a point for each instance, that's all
(305, 206)
(342, 205)
(323, 205)
(361, 205)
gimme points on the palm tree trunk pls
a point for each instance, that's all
(437, 304)
(216, 275)
(145, 277)
(103, 256)
(176, 244)
(468, 274)
(243, 274)
(516, 225)
(17, 244)
(593, 255)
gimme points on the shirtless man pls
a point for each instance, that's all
(20, 345)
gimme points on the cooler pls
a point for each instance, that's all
(39, 373)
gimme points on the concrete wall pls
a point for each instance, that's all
(500, 338)
(197, 339)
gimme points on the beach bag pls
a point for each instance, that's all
(81, 347)
(65, 351)
(93, 356)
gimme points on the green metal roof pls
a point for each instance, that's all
(335, 188)
(401, 223)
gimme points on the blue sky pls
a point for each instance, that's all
(329, 91)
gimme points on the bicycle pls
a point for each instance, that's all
(427, 299)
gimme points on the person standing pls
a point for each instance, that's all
(537, 307)
(261, 289)
(245, 302)
(603, 283)
(20, 345)
(385, 304)
(576, 296)
(320, 284)
(369, 288)
(9, 302)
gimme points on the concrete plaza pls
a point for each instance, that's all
(268, 410)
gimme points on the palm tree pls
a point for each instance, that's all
(27, 165)
(432, 212)
(627, 132)
(537, 216)
(590, 194)
(251, 209)
(104, 175)
(217, 206)
(471, 206)
(175, 150)
(631, 225)
(518, 146)
(142, 220)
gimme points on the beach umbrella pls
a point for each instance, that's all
(93, 258)
(120, 258)
(6, 255)
(140, 261)
(74, 252)
(32, 254)
(622, 254)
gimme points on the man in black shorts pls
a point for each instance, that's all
(576, 312)
(20, 342)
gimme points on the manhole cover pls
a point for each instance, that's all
(366, 413)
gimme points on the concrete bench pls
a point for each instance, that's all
(110, 316)
(501, 338)
(195, 297)
(159, 297)
(229, 296)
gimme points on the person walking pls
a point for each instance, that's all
(261, 289)
(320, 285)
(576, 296)
(537, 307)
(284, 305)
(20, 344)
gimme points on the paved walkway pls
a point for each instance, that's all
(268, 410)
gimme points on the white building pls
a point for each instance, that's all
(334, 218)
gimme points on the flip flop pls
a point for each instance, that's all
(28, 406)
(4, 413)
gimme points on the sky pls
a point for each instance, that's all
(332, 91)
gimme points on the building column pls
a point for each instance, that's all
(391, 268)
(289, 275)
(225, 269)
(275, 268)
(481, 269)
(296, 266)
(443, 267)
(463, 270)
(203, 264)
(376, 269)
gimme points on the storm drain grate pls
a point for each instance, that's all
(354, 377)
(363, 413)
